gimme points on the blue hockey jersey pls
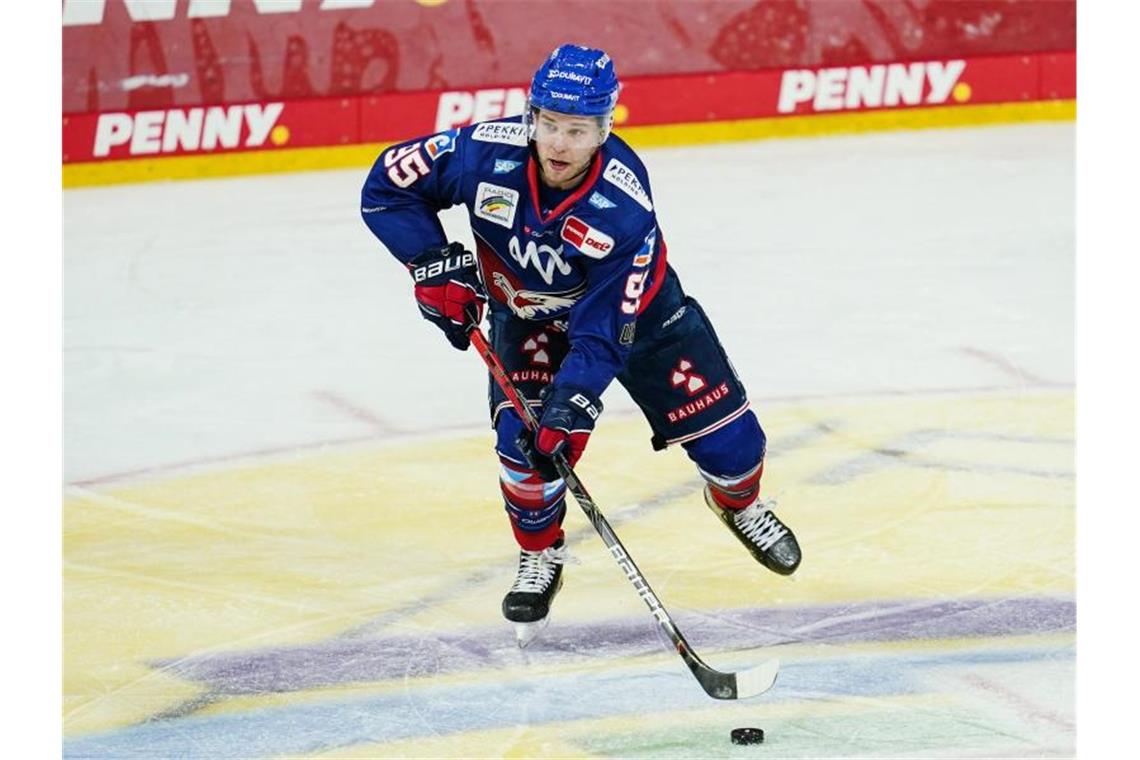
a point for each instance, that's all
(595, 260)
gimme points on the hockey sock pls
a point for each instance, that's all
(735, 492)
(536, 508)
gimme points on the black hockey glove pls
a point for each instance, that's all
(568, 417)
(448, 290)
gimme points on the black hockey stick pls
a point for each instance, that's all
(718, 685)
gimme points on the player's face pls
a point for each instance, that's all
(565, 145)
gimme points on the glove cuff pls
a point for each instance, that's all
(570, 408)
(451, 259)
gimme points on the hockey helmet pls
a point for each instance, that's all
(578, 81)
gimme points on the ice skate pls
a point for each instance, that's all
(770, 541)
(539, 578)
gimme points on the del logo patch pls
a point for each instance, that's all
(589, 240)
(496, 204)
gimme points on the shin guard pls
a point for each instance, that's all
(536, 508)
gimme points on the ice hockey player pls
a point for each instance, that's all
(571, 258)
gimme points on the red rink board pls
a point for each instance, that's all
(691, 98)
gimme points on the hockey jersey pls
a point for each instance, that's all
(595, 260)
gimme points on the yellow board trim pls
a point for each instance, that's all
(95, 173)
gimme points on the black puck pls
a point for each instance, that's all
(747, 736)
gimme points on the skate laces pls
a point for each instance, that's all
(759, 524)
(536, 569)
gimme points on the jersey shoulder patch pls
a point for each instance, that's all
(624, 179)
(444, 142)
(508, 133)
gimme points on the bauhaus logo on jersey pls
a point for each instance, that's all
(190, 129)
(878, 86)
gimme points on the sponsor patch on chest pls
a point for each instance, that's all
(589, 240)
(496, 204)
(504, 166)
(599, 201)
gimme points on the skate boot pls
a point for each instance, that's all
(770, 541)
(539, 578)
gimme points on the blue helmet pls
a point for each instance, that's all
(576, 80)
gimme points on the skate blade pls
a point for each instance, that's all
(528, 632)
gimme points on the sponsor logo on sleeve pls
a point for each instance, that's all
(503, 166)
(589, 240)
(507, 133)
(622, 177)
(439, 144)
(645, 255)
(599, 201)
(496, 204)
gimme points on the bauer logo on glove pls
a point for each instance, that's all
(445, 265)
(448, 291)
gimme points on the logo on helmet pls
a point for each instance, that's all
(579, 78)
(576, 80)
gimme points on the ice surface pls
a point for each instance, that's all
(282, 533)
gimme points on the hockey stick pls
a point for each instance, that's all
(718, 685)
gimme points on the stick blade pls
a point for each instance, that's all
(757, 680)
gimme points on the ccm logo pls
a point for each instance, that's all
(592, 242)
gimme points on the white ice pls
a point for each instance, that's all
(213, 318)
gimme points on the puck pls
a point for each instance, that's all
(747, 736)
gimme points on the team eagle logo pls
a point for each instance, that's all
(506, 287)
(529, 304)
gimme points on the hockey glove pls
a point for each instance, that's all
(568, 417)
(448, 290)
